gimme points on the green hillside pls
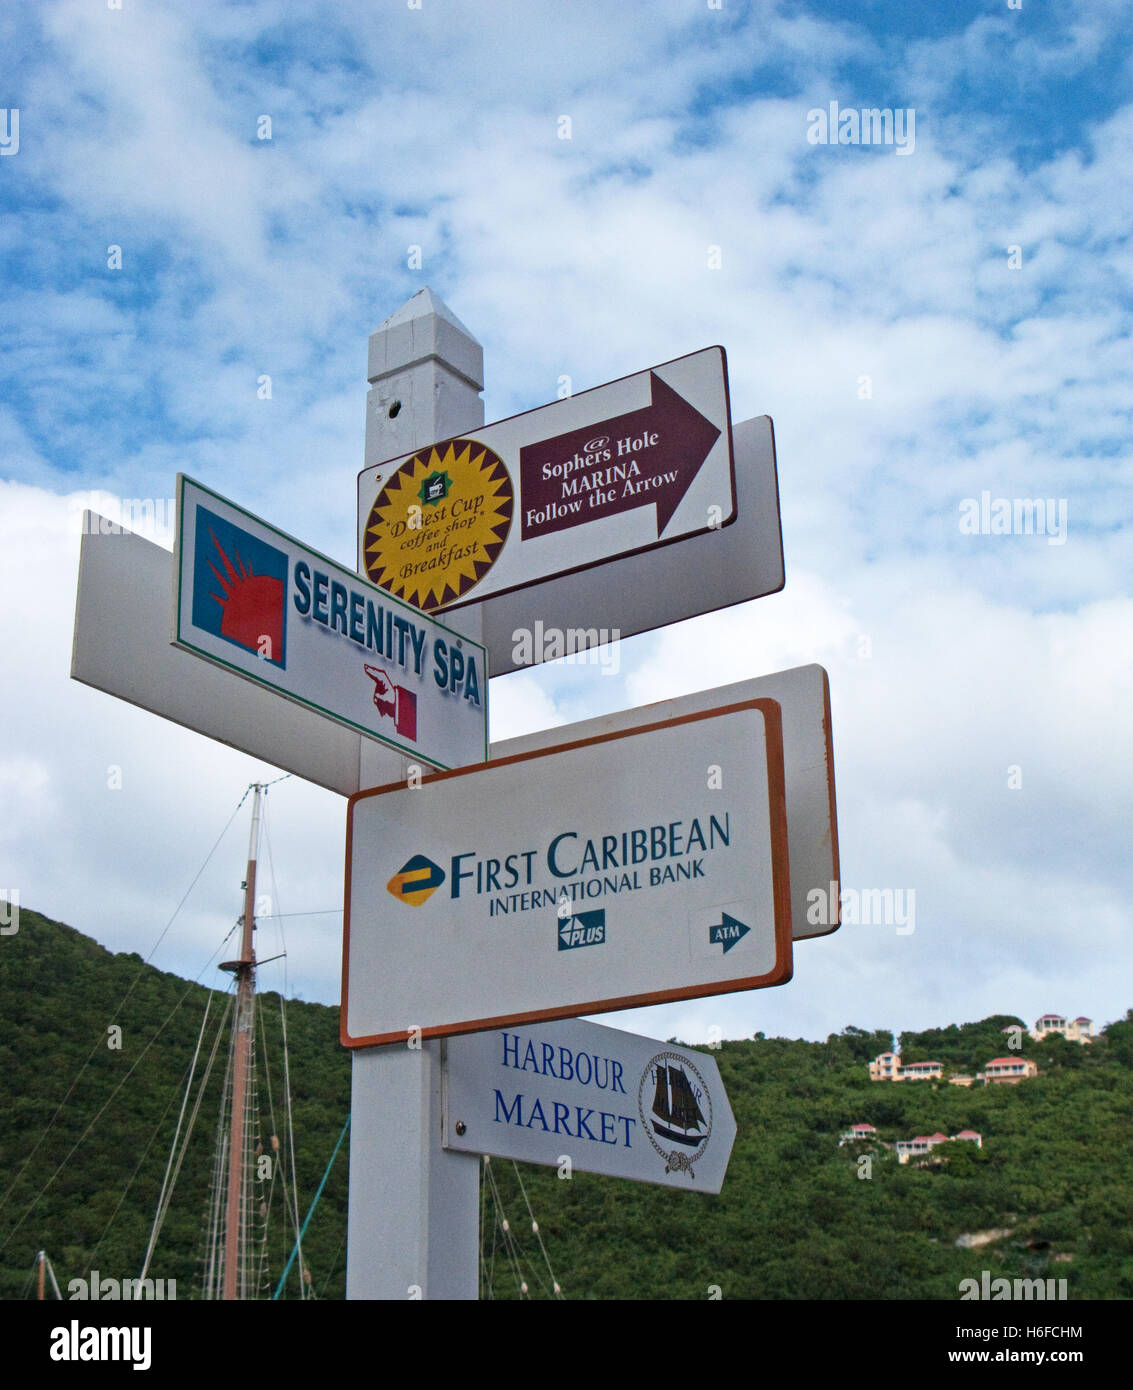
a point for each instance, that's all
(60, 992)
(799, 1216)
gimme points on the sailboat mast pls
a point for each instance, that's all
(244, 968)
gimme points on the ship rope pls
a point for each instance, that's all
(249, 1217)
(104, 1107)
(253, 1275)
(173, 1168)
(212, 1273)
(209, 1276)
(504, 1237)
(157, 1130)
(43, 1256)
(307, 1221)
(485, 1274)
(267, 1201)
(100, 1042)
(293, 1190)
(256, 1211)
(290, 1181)
(501, 1227)
(556, 1291)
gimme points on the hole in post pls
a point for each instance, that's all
(394, 410)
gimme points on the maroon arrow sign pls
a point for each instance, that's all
(645, 457)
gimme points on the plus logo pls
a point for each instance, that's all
(582, 929)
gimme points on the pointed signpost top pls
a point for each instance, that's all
(426, 372)
(421, 305)
(425, 328)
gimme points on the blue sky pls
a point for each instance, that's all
(867, 302)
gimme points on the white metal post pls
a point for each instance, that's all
(413, 1206)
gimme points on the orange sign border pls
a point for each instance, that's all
(780, 883)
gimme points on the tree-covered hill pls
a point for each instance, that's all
(800, 1217)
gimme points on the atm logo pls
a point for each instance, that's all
(582, 929)
(239, 587)
(416, 880)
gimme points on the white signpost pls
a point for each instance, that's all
(255, 600)
(603, 1100)
(632, 868)
(665, 873)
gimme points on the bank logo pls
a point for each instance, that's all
(416, 880)
(675, 1107)
(582, 929)
(239, 588)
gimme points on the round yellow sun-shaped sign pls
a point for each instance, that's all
(439, 523)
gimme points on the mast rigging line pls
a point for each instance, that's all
(102, 1110)
(310, 1212)
(40, 1265)
(515, 1256)
(291, 1137)
(89, 1260)
(511, 1249)
(122, 1002)
(538, 1234)
(290, 1187)
(168, 1183)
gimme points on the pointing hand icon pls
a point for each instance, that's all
(382, 686)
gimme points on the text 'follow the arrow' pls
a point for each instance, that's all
(644, 457)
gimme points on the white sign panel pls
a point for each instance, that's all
(122, 647)
(609, 1102)
(257, 601)
(634, 868)
(666, 584)
(803, 696)
(623, 468)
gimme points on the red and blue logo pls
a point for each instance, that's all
(240, 588)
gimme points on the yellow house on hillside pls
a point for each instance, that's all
(887, 1067)
(1079, 1030)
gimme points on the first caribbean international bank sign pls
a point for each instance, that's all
(255, 600)
(631, 868)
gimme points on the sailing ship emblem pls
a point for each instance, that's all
(680, 1111)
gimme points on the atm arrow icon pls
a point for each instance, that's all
(727, 932)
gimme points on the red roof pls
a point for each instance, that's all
(967, 1134)
(923, 1064)
(869, 1127)
(1046, 1016)
(1006, 1061)
(1083, 1019)
(938, 1135)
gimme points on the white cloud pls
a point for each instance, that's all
(588, 257)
